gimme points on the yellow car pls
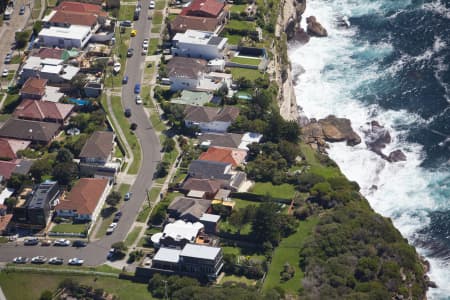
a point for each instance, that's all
(133, 32)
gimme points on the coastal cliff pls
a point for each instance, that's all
(354, 251)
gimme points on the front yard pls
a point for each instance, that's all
(70, 228)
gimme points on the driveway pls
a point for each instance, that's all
(95, 253)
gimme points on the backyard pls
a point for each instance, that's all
(250, 74)
(282, 191)
(246, 60)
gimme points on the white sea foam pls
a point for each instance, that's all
(329, 85)
(438, 7)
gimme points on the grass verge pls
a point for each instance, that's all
(133, 235)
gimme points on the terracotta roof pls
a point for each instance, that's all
(74, 18)
(185, 67)
(9, 147)
(29, 130)
(47, 53)
(227, 155)
(72, 6)
(210, 8)
(204, 185)
(183, 23)
(42, 110)
(4, 221)
(99, 145)
(84, 196)
(210, 114)
(34, 86)
(7, 168)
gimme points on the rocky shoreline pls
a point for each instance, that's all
(318, 133)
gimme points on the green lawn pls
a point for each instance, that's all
(157, 123)
(246, 61)
(250, 74)
(152, 46)
(52, 3)
(129, 135)
(153, 194)
(288, 252)
(156, 29)
(170, 158)
(282, 191)
(233, 39)
(240, 279)
(317, 167)
(74, 228)
(160, 4)
(120, 49)
(29, 285)
(240, 25)
(227, 227)
(241, 203)
(157, 17)
(238, 8)
(11, 102)
(16, 59)
(133, 235)
(4, 117)
(36, 9)
(126, 12)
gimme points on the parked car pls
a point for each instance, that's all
(144, 51)
(127, 112)
(111, 228)
(126, 23)
(38, 260)
(79, 243)
(8, 58)
(46, 243)
(5, 73)
(127, 196)
(117, 216)
(125, 79)
(22, 10)
(137, 88)
(20, 260)
(138, 99)
(151, 5)
(133, 126)
(31, 242)
(76, 261)
(133, 32)
(62, 243)
(111, 254)
(145, 43)
(130, 52)
(56, 261)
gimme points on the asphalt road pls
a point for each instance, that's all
(95, 253)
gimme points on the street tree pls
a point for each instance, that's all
(113, 198)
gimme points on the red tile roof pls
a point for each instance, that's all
(84, 196)
(42, 110)
(74, 18)
(182, 23)
(7, 167)
(4, 221)
(204, 8)
(226, 155)
(79, 7)
(47, 53)
(34, 86)
(6, 151)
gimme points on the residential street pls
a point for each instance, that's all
(95, 253)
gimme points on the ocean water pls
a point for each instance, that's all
(391, 65)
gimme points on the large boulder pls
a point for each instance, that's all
(301, 36)
(314, 28)
(339, 130)
(377, 137)
(396, 155)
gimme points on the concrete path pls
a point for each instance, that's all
(2, 296)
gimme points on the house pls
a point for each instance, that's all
(183, 23)
(10, 147)
(177, 234)
(199, 44)
(213, 119)
(61, 18)
(188, 209)
(193, 98)
(205, 8)
(235, 157)
(193, 260)
(229, 140)
(185, 73)
(85, 200)
(33, 88)
(44, 111)
(72, 6)
(203, 169)
(15, 166)
(74, 36)
(201, 188)
(55, 70)
(43, 53)
(98, 148)
(210, 222)
(34, 213)
(36, 132)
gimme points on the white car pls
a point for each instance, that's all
(56, 261)
(38, 259)
(76, 261)
(62, 243)
(151, 5)
(145, 43)
(20, 260)
(111, 228)
(138, 99)
(5, 73)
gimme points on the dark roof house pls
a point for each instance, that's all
(188, 208)
(204, 169)
(185, 67)
(229, 140)
(203, 114)
(98, 147)
(37, 132)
